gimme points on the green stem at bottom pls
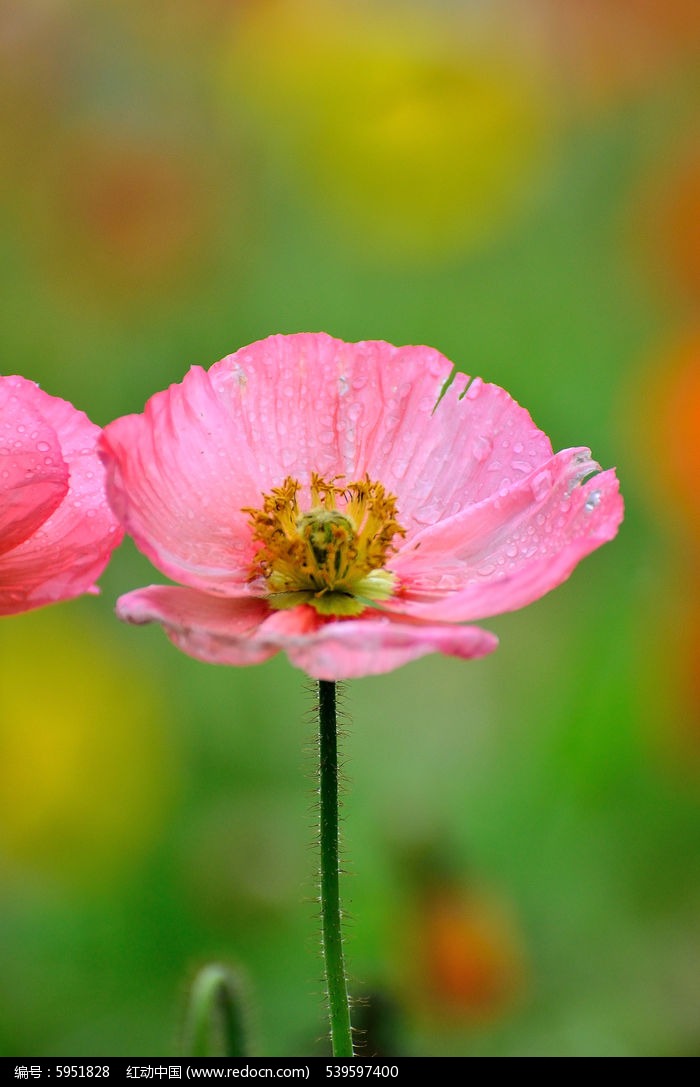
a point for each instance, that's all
(216, 1008)
(331, 934)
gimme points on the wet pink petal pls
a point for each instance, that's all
(310, 403)
(33, 473)
(511, 549)
(368, 647)
(240, 631)
(178, 478)
(70, 544)
(217, 629)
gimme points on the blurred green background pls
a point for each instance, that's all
(516, 183)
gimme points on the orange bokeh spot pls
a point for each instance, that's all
(610, 49)
(665, 427)
(466, 962)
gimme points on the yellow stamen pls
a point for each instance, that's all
(329, 557)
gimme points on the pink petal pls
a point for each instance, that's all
(178, 478)
(244, 631)
(476, 442)
(217, 629)
(71, 548)
(512, 548)
(33, 473)
(310, 403)
(368, 647)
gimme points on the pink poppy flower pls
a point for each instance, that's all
(56, 528)
(310, 496)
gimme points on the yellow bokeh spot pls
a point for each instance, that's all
(85, 769)
(425, 131)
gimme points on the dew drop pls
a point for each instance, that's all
(486, 571)
(287, 457)
(43, 447)
(482, 448)
(517, 447)
(541, 485)
(511, 551)
(521, 466)
(592, 501)
(427, 515)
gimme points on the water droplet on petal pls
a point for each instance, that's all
(592, 501)
(482, 448)
(541, 485)
(487, 570)
(428, 515)
(474, 389)
(43, 447)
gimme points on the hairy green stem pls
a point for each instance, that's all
(331, 934)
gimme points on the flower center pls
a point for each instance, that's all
(331, 556)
